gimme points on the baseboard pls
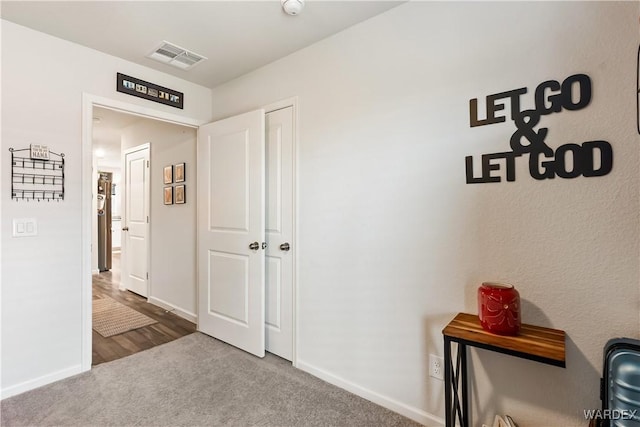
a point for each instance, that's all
(176, 310)
(96, 271)
(39, 382)
(408, 411)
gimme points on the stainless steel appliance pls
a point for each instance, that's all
(104, 221)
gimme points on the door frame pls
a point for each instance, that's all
(123, 245)
(86, 200)
(279, 105)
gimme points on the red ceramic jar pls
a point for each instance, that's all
(499, 308)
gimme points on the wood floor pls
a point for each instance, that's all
(168, 328)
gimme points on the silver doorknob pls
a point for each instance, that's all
(285, 247)
(125, 228)
(254, 246)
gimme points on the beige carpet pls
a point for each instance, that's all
(112, 318)
(195, 381)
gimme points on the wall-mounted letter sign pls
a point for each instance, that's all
(592, 158)
(150, 91)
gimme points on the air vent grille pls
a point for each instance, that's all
(169, 53)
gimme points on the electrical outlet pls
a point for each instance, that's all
(436, 367)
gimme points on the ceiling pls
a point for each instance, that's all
(107, 133)
(236, 36)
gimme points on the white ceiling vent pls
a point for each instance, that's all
(171, 54)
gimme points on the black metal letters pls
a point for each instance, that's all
(593, 158)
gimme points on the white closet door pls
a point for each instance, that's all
(279, 228)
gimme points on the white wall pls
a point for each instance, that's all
(43, 79)
(392, 241)
(173, 228)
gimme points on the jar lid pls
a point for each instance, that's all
(497, 285)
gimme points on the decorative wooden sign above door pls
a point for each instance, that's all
(152, 92)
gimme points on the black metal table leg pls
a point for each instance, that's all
(456, 388)
(462, 350)
(448, 384)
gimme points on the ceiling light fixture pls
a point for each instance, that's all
(292, 7)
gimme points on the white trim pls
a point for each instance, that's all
(279, 105)
(40, 381)
(96, 271)
(86, 221)
(191, 317)
(88, 102)
(408, 411)
(292, 102)
(138, 110)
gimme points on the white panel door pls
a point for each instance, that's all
(136, 221)
(231, 230)
(279, 229)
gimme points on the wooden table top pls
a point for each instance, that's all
(544, 345)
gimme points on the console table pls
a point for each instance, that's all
(535, 343)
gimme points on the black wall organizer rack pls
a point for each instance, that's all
(36, 179)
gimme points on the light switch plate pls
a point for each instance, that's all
(25, 227)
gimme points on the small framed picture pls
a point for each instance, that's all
(168, 174)
(180, 172)
(168, 195)
(181, 194)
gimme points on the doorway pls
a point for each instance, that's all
(90, 104)
(123, 321)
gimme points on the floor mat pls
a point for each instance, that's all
(112, 318)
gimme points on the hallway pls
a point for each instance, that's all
(168, 328)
